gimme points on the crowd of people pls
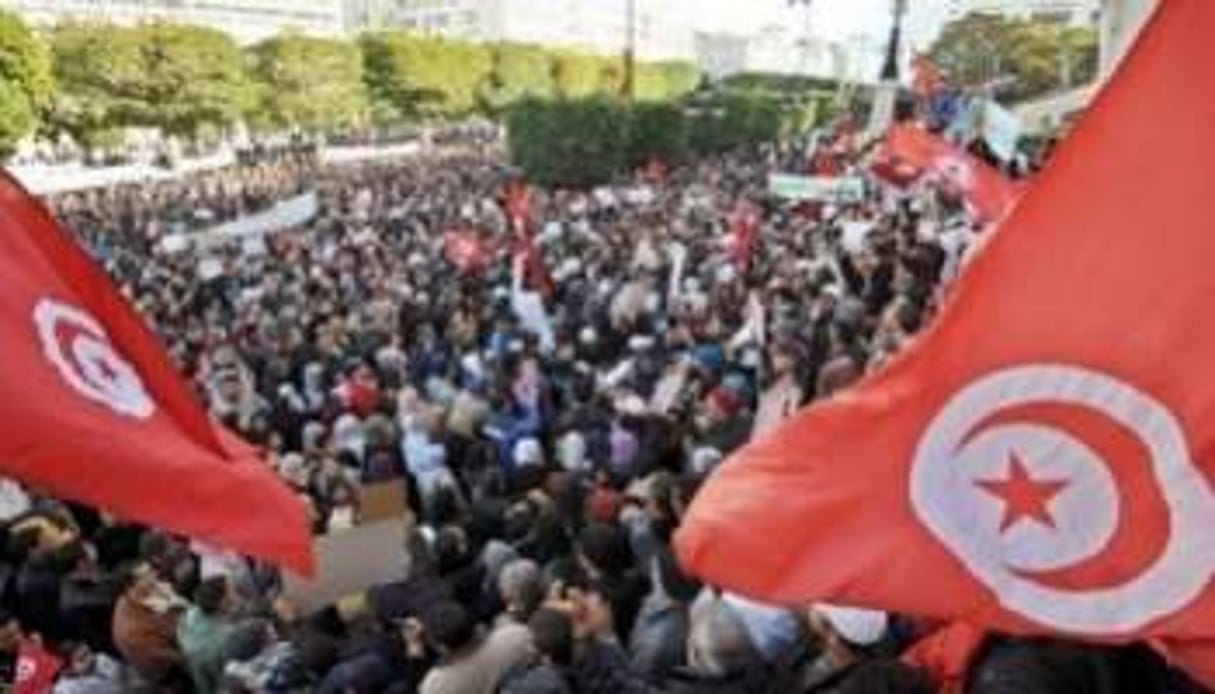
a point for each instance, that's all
(550, 422)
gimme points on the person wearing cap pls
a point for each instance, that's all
(848, 636)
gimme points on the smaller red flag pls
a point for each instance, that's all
(36, 668)
(517, 200)
(466, 250)
(910, 152)
(825, 162)
(744, 233)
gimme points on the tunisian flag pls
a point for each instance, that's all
(1041, 461)
(744, 233)
(910, 152)
(93, 411)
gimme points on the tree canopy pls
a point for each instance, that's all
(310, 83)
(520, 71)
(176, 78)
(91, 80)
(26, 82)
(413, 74)
(1039, 56)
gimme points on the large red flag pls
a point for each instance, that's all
(1041, 461)
(93, 411)
(910, 152)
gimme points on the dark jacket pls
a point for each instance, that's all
(537, 679)
(756, 680)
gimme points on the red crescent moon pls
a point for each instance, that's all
(1144, 521)
(66, 333)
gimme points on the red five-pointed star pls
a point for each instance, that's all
(1023, 496)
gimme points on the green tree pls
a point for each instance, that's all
(409, 74)
(26, 82)
(99, 70)
(1039, 56)
(195, 77)
(310, 83)
(658, 129)
(174, 77)
(578, 75)
(665, 81)
(570, 143)
(520, 71)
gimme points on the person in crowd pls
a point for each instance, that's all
(546, 413)
(145, 628)
(204, 631)
(469, 661)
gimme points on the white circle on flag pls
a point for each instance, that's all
(1011, 500)
(80, 350)
(1085, 512)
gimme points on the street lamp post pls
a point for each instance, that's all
(628, 84)
(888, 86)
(807, 31)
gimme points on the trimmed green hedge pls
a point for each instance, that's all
(586, 142)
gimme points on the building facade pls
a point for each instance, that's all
(1074, 12)
(662, 28)
(246, 20)
(781, 50)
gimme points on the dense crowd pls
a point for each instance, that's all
(549, 436)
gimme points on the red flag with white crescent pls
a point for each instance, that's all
(1045, 453)
(94, 411)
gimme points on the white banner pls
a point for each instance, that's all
(816, 188)
(284, 215)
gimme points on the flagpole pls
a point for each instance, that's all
(630, 51)
(884, 99)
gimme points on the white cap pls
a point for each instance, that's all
(528, 453)
(631, 405)
(571, 451)
(855, 625)
(641, 343)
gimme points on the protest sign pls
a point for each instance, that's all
(816, 188)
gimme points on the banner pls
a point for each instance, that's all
(292, 212)
(816, 188)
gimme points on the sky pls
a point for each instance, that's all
(833, 19)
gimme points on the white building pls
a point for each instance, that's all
(663, 27)
(779, 49)
(721, 55)
(246, 20)
(1074, 12)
